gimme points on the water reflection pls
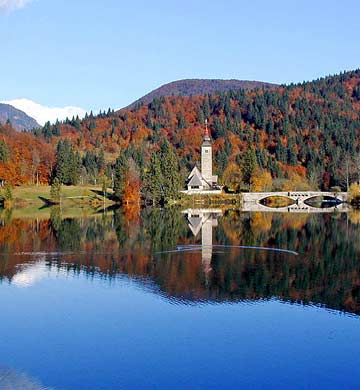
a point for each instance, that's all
(13, 380)
(326, 271)
(29, 274)
(204, 220)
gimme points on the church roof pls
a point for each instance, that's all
(194, 171)
(196, 180)
(206, 142)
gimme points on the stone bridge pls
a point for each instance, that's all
(299, 197)
(294, 208)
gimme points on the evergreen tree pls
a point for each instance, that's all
(47, 130)
(68, 164)
(170, 171)
(153, 188)
(148, 120)
(206, 109)
(55, 190)
(248, 165)
(92, 125)
(56, 129)
(77, 123)
(291, 154)
(4, 152)
(120, 170)
(74, 168)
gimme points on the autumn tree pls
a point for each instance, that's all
(132, 185)
(354, 193)
(232, 177)
(261, 180)
(294, 182)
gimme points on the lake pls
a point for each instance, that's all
(171, 299)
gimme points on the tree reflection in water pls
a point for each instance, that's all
(326, 271)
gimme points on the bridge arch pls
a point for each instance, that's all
(298, 197)
(326, 201)
(278, 201)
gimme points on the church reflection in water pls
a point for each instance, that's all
(204, 220)
(220, 258)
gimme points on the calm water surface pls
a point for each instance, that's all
(172, 300)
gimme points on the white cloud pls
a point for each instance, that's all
(11, 5)
(42, 114)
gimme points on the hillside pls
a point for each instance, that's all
(192, 87)
(18, 119)
(300, 136)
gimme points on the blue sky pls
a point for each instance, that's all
(99, 54)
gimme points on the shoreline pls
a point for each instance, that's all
(91, 197)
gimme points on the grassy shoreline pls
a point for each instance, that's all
(70, 196)
(30, 200)
(76, 201)
(25, 196)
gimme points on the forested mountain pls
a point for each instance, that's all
(191, 87)
(299, 136)
(18, 118)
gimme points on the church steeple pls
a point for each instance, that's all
(206, 157)
(204, 180)
(207, 132)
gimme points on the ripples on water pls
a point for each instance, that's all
(199, 248)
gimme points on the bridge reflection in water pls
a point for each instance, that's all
(108, 247)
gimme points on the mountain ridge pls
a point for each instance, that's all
(18, 119)
(189, 87)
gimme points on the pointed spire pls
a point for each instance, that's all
(207, 133)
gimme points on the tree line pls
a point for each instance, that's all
(300, 136)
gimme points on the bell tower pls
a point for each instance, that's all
(206, 156)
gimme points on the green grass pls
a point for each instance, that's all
(37, 195)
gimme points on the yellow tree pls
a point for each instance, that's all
(232, 177)
(261, 180)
